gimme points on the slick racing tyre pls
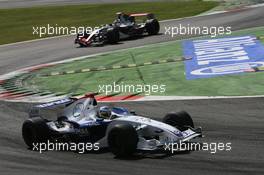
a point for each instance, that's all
(180, 120)
(122, 140)
(35, 130)
(112, 35)
(152, 26)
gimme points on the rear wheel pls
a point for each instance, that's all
(152, 26)
(181, 120)
(35, 130)
(122, 140)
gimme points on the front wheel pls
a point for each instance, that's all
(122, 140)
(180, 120)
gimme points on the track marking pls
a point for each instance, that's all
(96, 69)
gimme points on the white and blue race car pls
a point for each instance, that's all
(116, 128)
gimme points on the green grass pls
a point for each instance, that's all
(80, 83)
(17, 24)
(233, 4)
(169, 74)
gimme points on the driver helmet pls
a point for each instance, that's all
(105, 112)
(119, 14)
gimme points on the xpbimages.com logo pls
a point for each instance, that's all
(146, 89)
(189, 29)
(52, 30)
(65, 146)
(194, 146)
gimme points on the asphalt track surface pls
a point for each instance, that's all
(239, 121)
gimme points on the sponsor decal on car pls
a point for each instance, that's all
(54, 103)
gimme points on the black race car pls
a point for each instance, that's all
(124, 27)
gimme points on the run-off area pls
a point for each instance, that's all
(235, 54)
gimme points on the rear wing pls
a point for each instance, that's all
(55, 103)
(62, 103)
(148, 15)
(35, 110)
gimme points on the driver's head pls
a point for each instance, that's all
(119, 14)
(104, 112)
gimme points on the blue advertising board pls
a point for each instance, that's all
(222, 56)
